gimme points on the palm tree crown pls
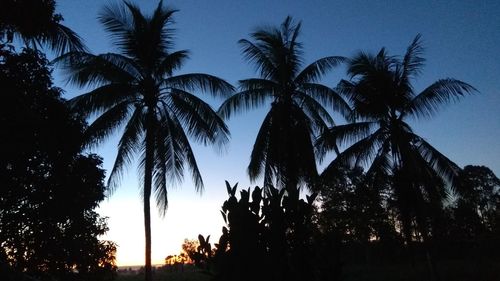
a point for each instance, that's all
(383, 100)
(136, 90)
(283, 151)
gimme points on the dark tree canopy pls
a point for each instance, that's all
(37, 24)
(476, 210)
(49, 189)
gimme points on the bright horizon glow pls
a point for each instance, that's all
(126, 213)
(460, 38)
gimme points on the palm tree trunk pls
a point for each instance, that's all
(148, 175)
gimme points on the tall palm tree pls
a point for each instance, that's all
(383, 100)
(136, 90)
(283, 151)
(37, 24)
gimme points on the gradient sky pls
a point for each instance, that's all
(461, 39)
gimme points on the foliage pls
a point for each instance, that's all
(49, 189)
(475, 212)
(383, 99)
(283, 151)
(36, 23)
(136, 90)
(355, 209)
(275, 230)
(198, 251)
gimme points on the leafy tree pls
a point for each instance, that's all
(36, 24)
(383, 98)
(49, 189)
(283, 151)
(476, 209)
(190, 248)
(137, 88)
(354, 208)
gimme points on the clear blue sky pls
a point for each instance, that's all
(462, 40)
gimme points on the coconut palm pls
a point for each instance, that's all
(383, 100)
(283, 151)
(136, 90)
(37, 25)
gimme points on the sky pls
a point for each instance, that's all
(461, 40)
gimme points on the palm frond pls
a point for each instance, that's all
(346, 89)
(361, 152)
(101, 99)
(263, 64)
(258, 158)
(180, 137)
(290, 31)
(412, 61)
(173, 62)
(168, 161)
(258, 83)
(84, 69)
(443, 91)
(343, 134)
(201, 121)
(382, 165)
(328, 97)
(160, 21)
(200, 81)
(62, 39)
(443, 166)
(130, 142)
(160, 173)
(106, 124)
(117, 21)
(315, 71)
(244, 101)
(316, 112)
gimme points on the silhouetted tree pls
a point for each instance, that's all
(476, 210)
(354, 208)
(36, 24)
(49, 227)
(283, 151)
(383, 99)
(137, 88)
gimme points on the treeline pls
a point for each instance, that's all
(352, 231)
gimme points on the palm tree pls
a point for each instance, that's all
(383, 100)
(36, 24)
(137, 90)
(283, 151)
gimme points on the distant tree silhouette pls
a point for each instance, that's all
(383, 99)
(353, 208)
(49, 189)
(137, 88)
(190, 248)
(283, 151)
(476, 209)
(36, 24)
